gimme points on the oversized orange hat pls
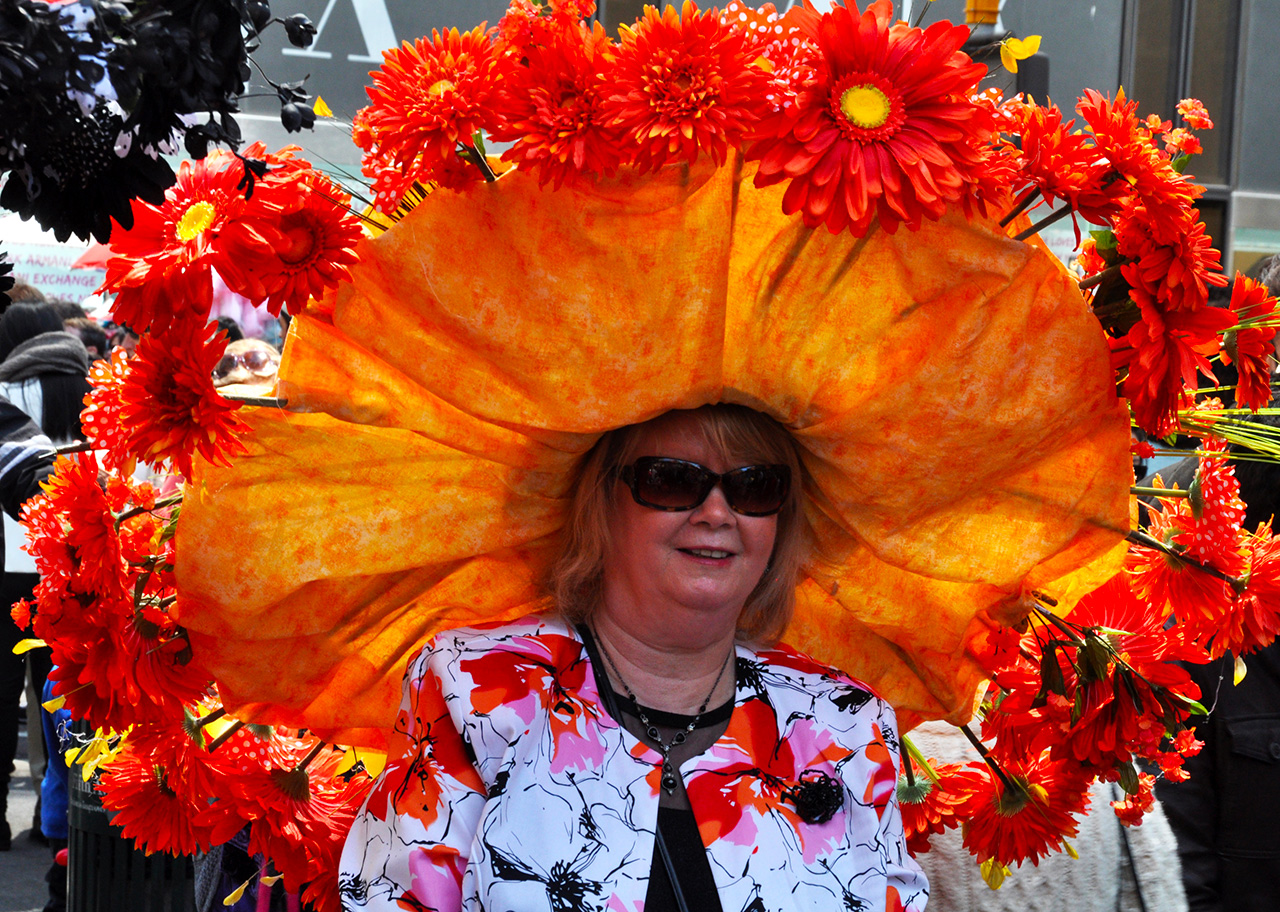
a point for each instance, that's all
(950, 392)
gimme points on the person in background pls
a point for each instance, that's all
(232, 329)
(26, 460)
(43, 372)
(91, 334)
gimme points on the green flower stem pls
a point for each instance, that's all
(1139, 537)
(981, 748)
(259, 401)
(1027, 198)
(212, 717)
(913, 753)
(473, 155)
(1158, 492)
(225, 736)
(170, 501)
(311, 755)
(1100, 277)
(1043, 223)
(82, 446)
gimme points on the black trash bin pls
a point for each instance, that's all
(105, 873)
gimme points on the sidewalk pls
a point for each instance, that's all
(22, 869)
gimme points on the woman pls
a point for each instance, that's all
(534, 761)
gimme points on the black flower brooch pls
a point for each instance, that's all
(816, 796)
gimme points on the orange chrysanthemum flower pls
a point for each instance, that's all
(1164, 352)
(161, 267)
(886, 126)
(552, 108)
(147, 809)
(427, 98)
(1151, 178)
(1026, 822)
(529, 24)
(170, 404)
(1132, 808)
(1251, 345)
(1254, 620)
(683, 85)
(89, 525)
(1177, 273)
(1064, 164)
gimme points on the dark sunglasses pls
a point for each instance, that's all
(675, 484)
(257, 361)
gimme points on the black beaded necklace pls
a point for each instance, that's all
(669, 780)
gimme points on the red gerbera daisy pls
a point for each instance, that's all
(684, 85)
(170, 404)
(1027, 821)
(886, 126)
(1251, 344)
(1063, 164)
(552, 107)
(317, 245)
(160, 268)
(147, 810)
(427, 98)
(930, 807)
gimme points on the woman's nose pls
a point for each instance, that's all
(714, 510)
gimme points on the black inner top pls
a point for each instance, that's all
(676, 823)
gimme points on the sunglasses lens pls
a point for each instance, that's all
(225, 366)
(758, 490)
(256, 360)
(670, 484)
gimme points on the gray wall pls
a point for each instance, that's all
(1258, 124)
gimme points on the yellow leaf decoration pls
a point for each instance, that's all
(1240, 671)
(54, 705)
(1014, 49)
(322, 109)
(25, 646)
(994, 873)
(234, 896)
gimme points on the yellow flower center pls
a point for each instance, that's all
(440, 86)
(865, 106)
(196, 219)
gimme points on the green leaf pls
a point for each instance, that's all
(1051, 672)
(1128, 778)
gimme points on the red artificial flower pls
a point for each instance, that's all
(1027, 821)
(1254, 621)
(1132, 808)
(147, 809)
(161, 267)
(1251, 344)
(552, 108)
(530, 24)
(88, 525)
(1180, 141)
(784, 53)
(20, 612)
(1192, 110)
(315, 247)
(1063, 164)
(100, 419)
(170, 404)
(1119, 719)
(427, 98)
(1177, 274)
(1164, 352)
(1151, 178)
(885, 127)
(1209, 523)
(930, 807)
(683, 86)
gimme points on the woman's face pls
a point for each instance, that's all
(681, 573)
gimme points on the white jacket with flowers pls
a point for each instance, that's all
(509, 788)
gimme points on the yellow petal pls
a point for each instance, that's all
(994, 873)
(234, 896)
(270, 881)
(1240, 670)
(1011, 64)
(71, 754)
(25, 646)
(321, 109)
(1022, 48)
(1071, 850)
(54, 705)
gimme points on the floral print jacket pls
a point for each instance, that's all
(509, 788)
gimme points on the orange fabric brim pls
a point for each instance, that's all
(949, 389)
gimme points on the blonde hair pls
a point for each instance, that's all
(742, 436)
